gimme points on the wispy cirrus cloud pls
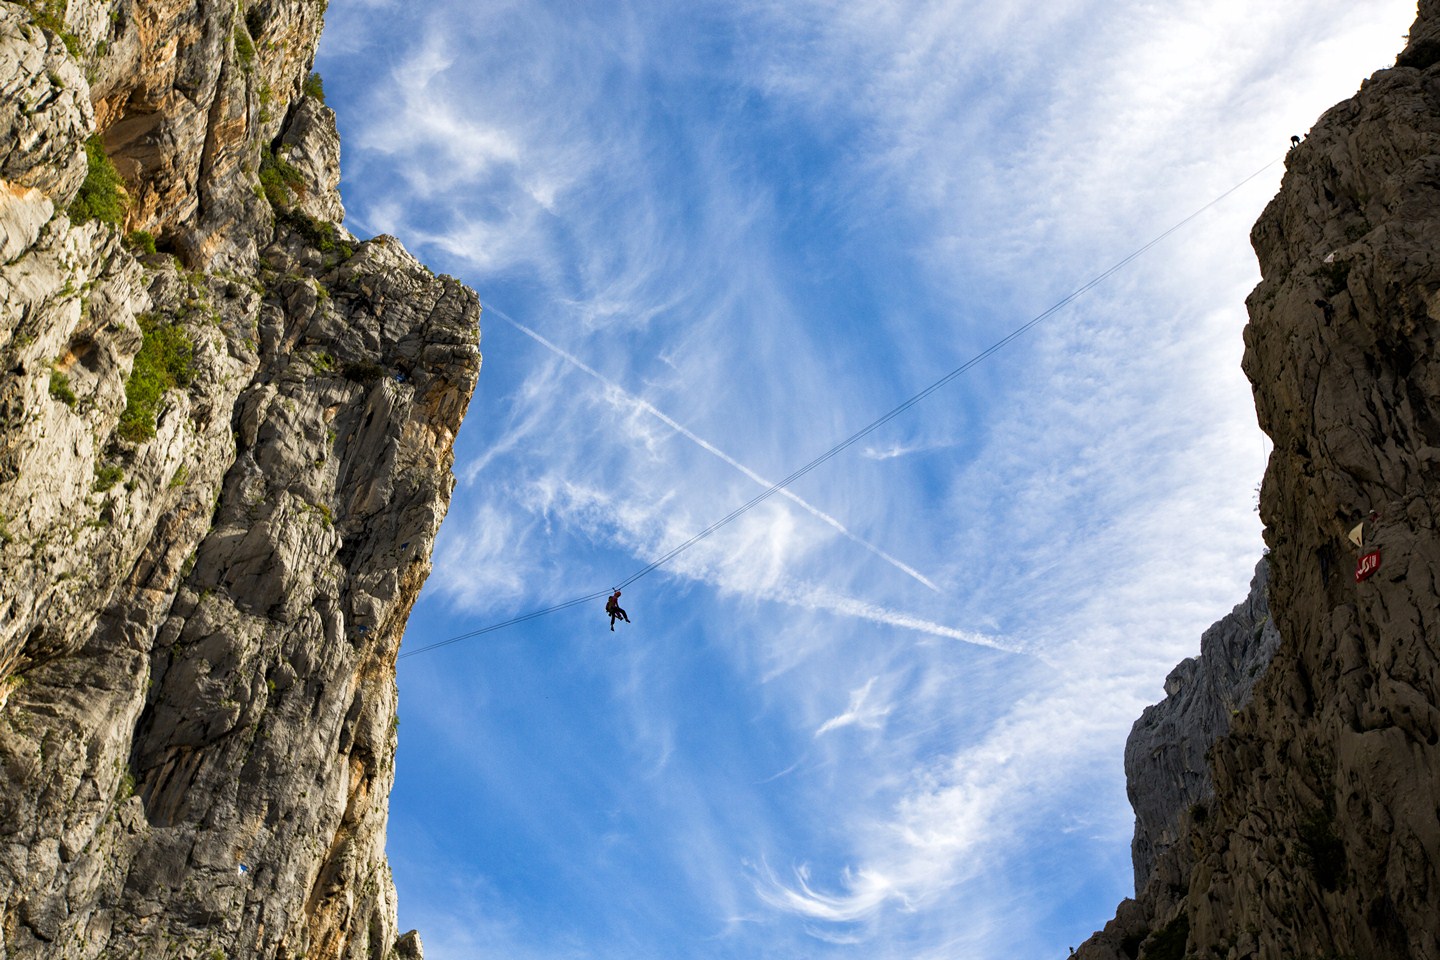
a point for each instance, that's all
(765, 485)
(894, 450)
(769, 223)
(860, 712)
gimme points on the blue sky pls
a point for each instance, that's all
(884, 717)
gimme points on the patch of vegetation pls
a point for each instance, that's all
(60, 388)
(1169, 943)
(126, 788)
(280, 182)
(1324, 850)
(244, 48)
(165, 361)
(1356, 229)
(279, 179)
(319, 234)
(363, 371)
(321, 510)
(141, 241)
(102, 195)
(181, 477)
(50, 14)
(314, 87)
(107, 475)
(322, 362)
(267, 97)
(5, 535)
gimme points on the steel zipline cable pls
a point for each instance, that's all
(851, 440)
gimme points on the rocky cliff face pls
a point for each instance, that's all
(1322, 838)
(222, 467)
(1165, 758)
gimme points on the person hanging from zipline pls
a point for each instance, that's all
(612, 607)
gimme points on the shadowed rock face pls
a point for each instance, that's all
(1323, 835)
(1165, 758)
(201, 605)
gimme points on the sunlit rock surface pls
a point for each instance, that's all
(200, 607)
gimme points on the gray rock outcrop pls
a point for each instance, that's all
(1322, 838)
(222, 468)
(1166, 768)
(46, 110)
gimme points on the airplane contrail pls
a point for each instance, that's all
(821, 599)
(710, 448)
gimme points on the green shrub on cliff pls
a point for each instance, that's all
(244, 47)
(140, 241)
(60, 387)
(102, 195)
(314, 86)
(364, 371)
(280, 179)
(50, 14)
(319, 234)
(106, 476)
(163, 363)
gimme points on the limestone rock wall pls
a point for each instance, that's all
(1323, 836)
(1166, 768)
(200, 605)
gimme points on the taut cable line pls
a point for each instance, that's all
(855, 437)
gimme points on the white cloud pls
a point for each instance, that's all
(1085, 496)
(481, 565)
(620, 396)
(895, 450)
(860, 712)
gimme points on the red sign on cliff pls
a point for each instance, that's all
(1367, 566)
